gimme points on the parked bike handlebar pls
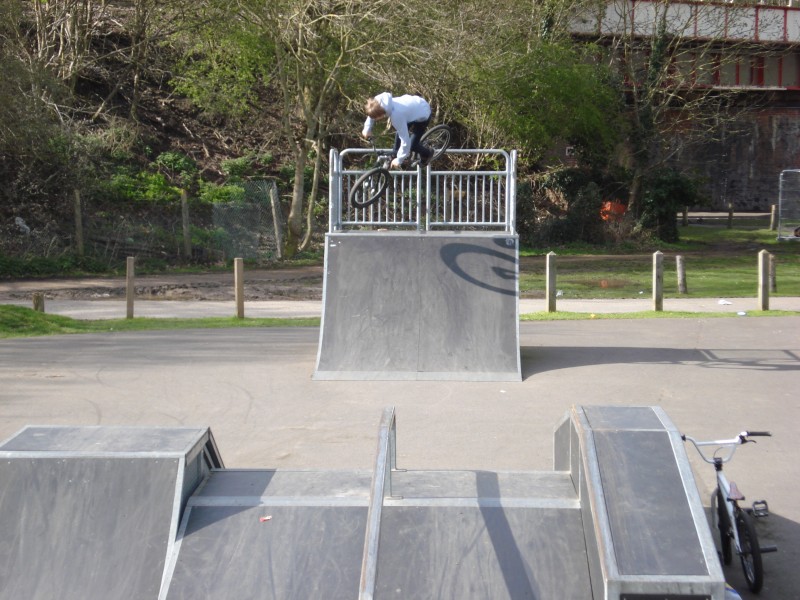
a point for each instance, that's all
(731, 444)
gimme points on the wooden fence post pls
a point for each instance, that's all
(238, 282)
(730, 215)
(550, 291)
(187, 235)
(773, 280)
(130, 277)
(763, 280)
(38, 302)
(773, 217)
(681, 269)
(78, 222)
(658, 281)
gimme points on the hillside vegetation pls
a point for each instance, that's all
(120, 118)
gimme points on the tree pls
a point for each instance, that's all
(312, 52)
(672, 67)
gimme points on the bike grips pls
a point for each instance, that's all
(757, 433)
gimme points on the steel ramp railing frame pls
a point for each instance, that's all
(476, 200)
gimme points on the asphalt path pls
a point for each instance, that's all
(253, 387)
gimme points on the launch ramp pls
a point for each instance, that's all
(408, 305)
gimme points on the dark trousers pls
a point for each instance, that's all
(415, 132)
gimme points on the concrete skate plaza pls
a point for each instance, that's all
(713, 377)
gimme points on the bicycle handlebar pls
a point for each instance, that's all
(731, 443)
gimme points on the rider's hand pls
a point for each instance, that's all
(396, 164)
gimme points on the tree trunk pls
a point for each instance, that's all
(294, 233)
(312, 199)
(635, 193)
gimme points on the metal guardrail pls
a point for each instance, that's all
(425, 199)
(385, 463)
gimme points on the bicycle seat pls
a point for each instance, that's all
(734, 493)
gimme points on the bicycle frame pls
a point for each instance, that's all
(737, 520)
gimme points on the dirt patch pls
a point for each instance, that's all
(291, 284)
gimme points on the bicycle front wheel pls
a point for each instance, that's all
(750, 551)
(368, 188)
(437, 138)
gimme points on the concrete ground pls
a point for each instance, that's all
(713, 377)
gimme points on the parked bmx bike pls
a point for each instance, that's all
(369, 187)
(734, 522)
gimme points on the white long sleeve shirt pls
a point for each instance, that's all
(402, 111)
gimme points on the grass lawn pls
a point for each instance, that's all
(718, 262)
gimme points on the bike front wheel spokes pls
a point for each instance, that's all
(368, 188)
(750, 552)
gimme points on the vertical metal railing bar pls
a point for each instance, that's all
(476, 196)
(460, 195)
(380, 475)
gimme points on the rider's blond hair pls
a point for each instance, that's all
(373, 109)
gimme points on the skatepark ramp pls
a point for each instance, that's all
(90, 513)
(408, 305)
(424, 283)
(618, 518)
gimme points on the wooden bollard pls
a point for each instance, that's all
(773, 217)
(658, 281)
(238, 282)
(130, 289)
(763, 280)
(38, 302)
(773, 280)
(681, 269)
(550, 290)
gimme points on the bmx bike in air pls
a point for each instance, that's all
(369, 187)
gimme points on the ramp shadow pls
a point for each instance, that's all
(537, 359)
(505, 277)
(515, 573)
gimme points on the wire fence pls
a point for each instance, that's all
(248, 226)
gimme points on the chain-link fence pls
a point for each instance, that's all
(248, 226)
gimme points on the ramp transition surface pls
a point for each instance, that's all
(89, 513)
(408, 305)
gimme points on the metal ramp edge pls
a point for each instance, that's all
(645, 527)
(91, 512)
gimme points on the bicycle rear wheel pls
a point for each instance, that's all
(368, 188)
(750, 551)
(437, 138)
